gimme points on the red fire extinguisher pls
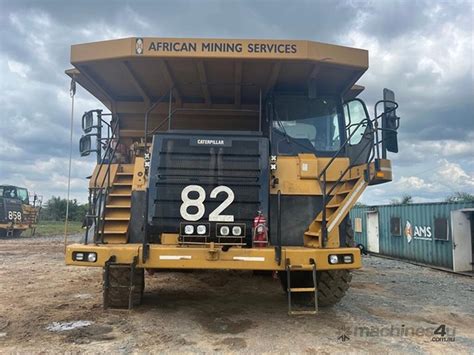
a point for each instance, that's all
(260, 231)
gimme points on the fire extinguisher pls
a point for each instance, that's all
(260, 231)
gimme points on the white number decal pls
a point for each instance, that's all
(214, 216)
(14, 215)
(187, 202)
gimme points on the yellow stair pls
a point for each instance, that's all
(117, 208)
(342, 200)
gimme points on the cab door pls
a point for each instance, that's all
(359, 132)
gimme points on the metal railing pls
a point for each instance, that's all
(98, 193)
(371, 138)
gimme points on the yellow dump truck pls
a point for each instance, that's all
(18, 211)
(228, 154)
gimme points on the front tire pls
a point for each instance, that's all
(331, 284)
(118, 293)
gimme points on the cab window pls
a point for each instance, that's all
(310, 124)
(23, 195)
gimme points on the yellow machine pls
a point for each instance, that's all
(18, 211)
(228, 154)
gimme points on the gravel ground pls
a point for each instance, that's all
(48, 307)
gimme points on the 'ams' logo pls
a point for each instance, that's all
(139, 46)
(417, 232)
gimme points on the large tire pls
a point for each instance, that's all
(346, 233)
(331, 284)
(118, 292)
(17, 233)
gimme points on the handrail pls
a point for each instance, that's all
(374, 141)
(98, 193)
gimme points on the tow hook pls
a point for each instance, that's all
(213, 252)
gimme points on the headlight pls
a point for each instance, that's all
(224, 230)
(79, 256)
(236, 230)
(188, 229)
(333, 259)
(92, 257)
(201, 229)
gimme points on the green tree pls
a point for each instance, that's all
(460, 197)
(404, 200)
(55, 210)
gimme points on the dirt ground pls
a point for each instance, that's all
(392, 306)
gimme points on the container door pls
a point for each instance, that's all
(373, 232)
(462, 245)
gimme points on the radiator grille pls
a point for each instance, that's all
(241, 164)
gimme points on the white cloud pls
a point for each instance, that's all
(454, 175)
(18, 68)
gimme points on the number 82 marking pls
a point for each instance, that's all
(214, 216)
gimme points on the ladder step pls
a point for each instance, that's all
(312, 234)
(122, 194)
(112, 231)
(352, 178)
(333, 205)
(301, 266)
(118, 206)
(122, 183)
(296, 313)
(117, 218)
(124, 174)
(302, 289)
(343, 192)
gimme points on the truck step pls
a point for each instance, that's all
(114, 231)
(302, 289)
(343, 192)
(313, 234)
(121, 194)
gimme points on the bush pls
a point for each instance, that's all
(55, 210)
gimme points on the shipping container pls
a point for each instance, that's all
(437, 234)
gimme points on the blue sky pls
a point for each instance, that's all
(423, 50)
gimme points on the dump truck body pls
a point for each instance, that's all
(227, 154)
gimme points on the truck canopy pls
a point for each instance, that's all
(128, 75)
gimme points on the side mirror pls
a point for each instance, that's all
(390, 122)
(87, 121)
(85, 145)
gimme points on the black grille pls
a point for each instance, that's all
(7, 205)
(180, 160)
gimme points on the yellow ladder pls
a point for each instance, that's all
(118, 207)
(289, 290)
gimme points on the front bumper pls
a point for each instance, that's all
(183, 257)
(14, 226)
